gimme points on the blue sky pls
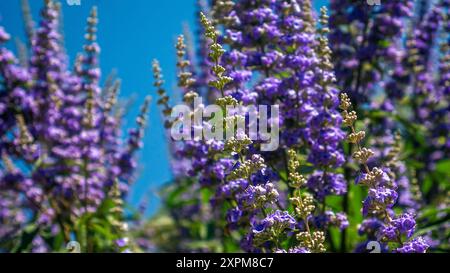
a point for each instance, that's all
(131, 34)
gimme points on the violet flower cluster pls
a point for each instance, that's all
(60, 143)
(65, 169)
(232, 170)
(382, 194)
(299, 198)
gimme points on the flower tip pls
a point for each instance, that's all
(4, 36)
(94, 11)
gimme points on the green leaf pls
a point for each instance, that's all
(426, 186)
(384, 43)
(26, 238)
(443, 166)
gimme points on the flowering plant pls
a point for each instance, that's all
(230, 195)
(64, 170)
(356, 156)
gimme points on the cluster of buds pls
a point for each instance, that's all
(240, 142)
(415, 188)
(313, 241)
(264, 195)
(8, 163)
(117, 221)
(117, 208)
(91, 77)
(307, 16)
(223, 102)
(237, 145)
(356, 137)
(371, 177)
(190, 96)
(185, 79)
(248, 167)
(220, 12)
(345, 103)
(141, 121)
(349, 117)
(25, 137)
(324, 51)
(53, 92)
(112, 93)
(216, 51)
(163, 97)
(304, 206)
(363, 155)
(26, 141)
(91, 34)
(88, 120)
(296, 180)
